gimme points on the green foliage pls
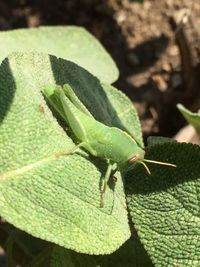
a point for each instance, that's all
(154, 140)
(72, 43)
(165, 207)
(131, 254)
(58, 195)
(36, 252)
(55, 197)
(191, 118)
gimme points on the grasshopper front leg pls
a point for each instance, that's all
(109, 172)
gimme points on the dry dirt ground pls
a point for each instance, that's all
(155, 45)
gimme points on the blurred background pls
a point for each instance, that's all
(154, 43)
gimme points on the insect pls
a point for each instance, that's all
(110, 143)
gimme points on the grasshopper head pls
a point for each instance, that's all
(139, 158)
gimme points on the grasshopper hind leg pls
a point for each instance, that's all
(75, 100)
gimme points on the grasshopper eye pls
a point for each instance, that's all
(137, 158)
(134, 158)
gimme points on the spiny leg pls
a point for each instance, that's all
(105, 180)
(75, 100)
(71, 151)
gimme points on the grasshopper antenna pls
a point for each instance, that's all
(159, 162)
(155, 162)
(145, 166)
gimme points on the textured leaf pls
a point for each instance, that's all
(49, 195)
(191, 118)
(131, 254)
(155, 140)
(165, 206)
(68, 42)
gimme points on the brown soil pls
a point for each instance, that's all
(139, 37)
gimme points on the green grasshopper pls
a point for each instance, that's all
(113, 144)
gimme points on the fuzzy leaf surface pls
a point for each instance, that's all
(42, 191)
(68, 42)
(131, 254)
(165, 206)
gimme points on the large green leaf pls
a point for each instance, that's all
(36, 252)
(49, 195)
(165, 206)
(191, 117)
(131, 254)
(68, 42)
